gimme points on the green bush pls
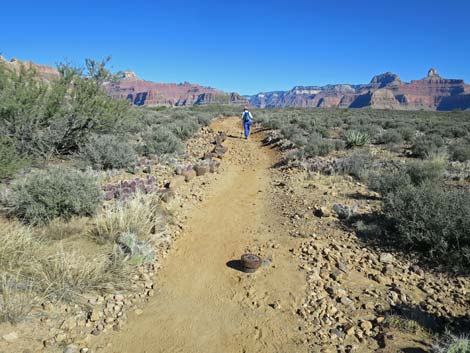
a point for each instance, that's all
(10, 161)
(425, 171)
(56, 118)
(44, 195)
(408, 133)
(427, 145)
(460, 151)
(159, 140)
(356, 138)
(358, 164)
(452, 344)
(390, 137)
(431, 220)
(414, 173)
(108, 152)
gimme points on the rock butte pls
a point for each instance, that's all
(385, 91)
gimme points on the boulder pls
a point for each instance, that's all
(189, 175)
(386, 258)
(201, 169)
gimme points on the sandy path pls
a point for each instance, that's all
(203, 305)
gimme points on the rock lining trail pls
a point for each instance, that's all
(202, 304)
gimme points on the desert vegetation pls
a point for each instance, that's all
(81, 182)
(79, 207)
(417, 161)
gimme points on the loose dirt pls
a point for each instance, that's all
(203, 302)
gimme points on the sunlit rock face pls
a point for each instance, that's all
(384, 91)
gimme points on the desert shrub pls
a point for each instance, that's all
(427, 145)
(140, 216)
(159, 140)
(204, 119)
(460, 150)
(413, 173)
(184, 128)
(452, 344)
(407, 133)
(108, 152)
(390, 136)
(10, 161)
(356, 138)
(135, 251)
(57, 118)
(431, 220)
(358, 164)
(291, 132)
(388, 182)
(43, 195)
(425, 171)
(402, 323)
(316, 145)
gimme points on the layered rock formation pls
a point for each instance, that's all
(145, 93)
(385, 91)
(48, 73)
(141, 92)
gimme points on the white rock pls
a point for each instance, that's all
(10, 337)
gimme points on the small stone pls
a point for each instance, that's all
(10, 337)
(95, 315)
(84, 350)
(386, 258)
(380, 319)
(366, 325)
(138, 312)
(119, 297)
(321, 211)
(71, 348)
(60, 337)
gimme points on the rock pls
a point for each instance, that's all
(84, 350)
(337, 275)
(71, 348)
(321, 211)
(201, 169)
(386, 258)
(176, 182)
(366, 325)
(10, 337)
(60, 337)
(95, 315)
(166, 195)
(138, 312)
(380, 319)
(189, 175)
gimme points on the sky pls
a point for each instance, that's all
(246, 46)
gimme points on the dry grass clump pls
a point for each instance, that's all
(31, 271)
(402, 323)
(17, 298)
(140, 216)
(67, 275)
(60, 229)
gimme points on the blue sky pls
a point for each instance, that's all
(246, 46)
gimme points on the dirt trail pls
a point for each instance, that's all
(203, 305)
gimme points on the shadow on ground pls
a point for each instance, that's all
(235, 265)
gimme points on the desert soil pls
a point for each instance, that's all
(203, 302)
(321, 289)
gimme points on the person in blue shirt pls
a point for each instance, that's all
(247, 121)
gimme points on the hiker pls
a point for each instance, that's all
(247, 120)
